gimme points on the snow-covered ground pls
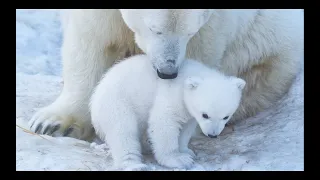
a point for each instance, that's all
(273, 140)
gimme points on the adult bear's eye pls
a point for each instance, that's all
(225, 118)
(205, 116)
(159, 33)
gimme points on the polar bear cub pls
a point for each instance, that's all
(131, 100)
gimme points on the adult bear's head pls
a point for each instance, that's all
(163, 34)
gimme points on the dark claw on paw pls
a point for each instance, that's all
(55, 128)
(68, 131)
(32, 124)
(39, 127)
(46, 129)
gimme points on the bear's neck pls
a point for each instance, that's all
(186, 108)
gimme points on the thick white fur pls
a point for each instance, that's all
(130, 93)
(261, 46)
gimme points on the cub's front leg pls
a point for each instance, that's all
(186, 133)
(164, 131)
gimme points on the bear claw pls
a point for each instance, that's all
(68, 131)
(54, 129)
(38, 128)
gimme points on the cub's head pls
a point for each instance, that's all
(163, 34)
(212, 101)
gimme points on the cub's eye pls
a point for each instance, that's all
(225, 118)
(205, 116)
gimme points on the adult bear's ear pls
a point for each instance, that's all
(240, 83)
(192, 82)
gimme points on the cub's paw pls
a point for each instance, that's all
(137, 167)
(51, 122)
(176, 160)
(189, 151)
(133, 166)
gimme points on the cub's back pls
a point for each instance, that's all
(132, 80)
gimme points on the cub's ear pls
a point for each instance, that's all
(240, 83)
(192, 82)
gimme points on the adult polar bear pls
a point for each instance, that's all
(263, 47)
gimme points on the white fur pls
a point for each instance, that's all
(262, 47)
(129, 91)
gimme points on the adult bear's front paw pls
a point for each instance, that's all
(56, 122)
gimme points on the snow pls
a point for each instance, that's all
(273, 140)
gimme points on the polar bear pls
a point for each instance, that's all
(131, 98)
(261, 46)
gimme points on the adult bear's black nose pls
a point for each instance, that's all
(212, 136)
(167, 76)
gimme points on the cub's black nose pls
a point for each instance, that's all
(212, 136)
(166, 76)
